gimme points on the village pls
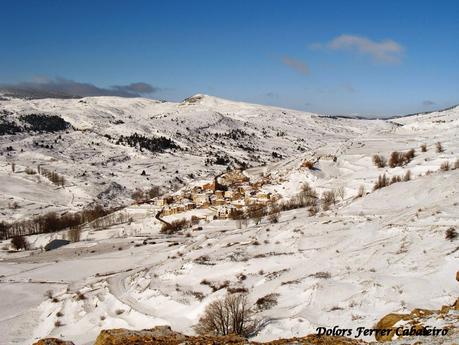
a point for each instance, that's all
(223, 195)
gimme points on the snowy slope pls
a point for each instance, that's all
(349, 266)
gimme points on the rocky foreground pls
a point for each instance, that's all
(419, 319)
(163, 335)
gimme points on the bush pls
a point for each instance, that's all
(451, 234)
(138, 196)
(307, 195)
(395, 179)
(256, 212)
(267, 302)
(395, 159)
(379, 161)
(444, 166)
(328, 198)
(423, 148)
(408, 156)
(398, 159)
(174, 226)
(231, 315)
(237, 214)
(382, 182)
(456, 164)
(20, 242)
(439, 147)
(308, 164)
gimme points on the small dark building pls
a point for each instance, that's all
(54, 244)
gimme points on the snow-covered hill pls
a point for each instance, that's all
(372, 253)
(208, 135)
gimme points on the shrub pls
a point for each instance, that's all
(308, 164)
(382, 182)
(395, 179)
(138, 195)
(451, 234)
(154, 192)
(423, 148)
(409, 155)
(20, 242)
(398, 159)
(395, 159)
(256, 212)
(174, 226)
(456, 164)
(307, 195)
(267, 302)
(379, 161)
(444, 166)
(236, 214)
(328, 198)
(439, 147)
(231, 315)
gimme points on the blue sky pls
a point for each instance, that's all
(340, 57)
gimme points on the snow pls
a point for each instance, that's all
(366, 257)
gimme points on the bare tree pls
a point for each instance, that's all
(74, 234)
(20, 242)
(231, 315)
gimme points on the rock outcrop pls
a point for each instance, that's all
(163, 335)
(53, 341)
(419, 318)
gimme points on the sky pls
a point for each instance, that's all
(368, 58)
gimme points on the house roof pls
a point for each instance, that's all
(54, 244)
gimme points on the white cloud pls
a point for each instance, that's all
(385, 50)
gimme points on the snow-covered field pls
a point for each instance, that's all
(348, 266)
